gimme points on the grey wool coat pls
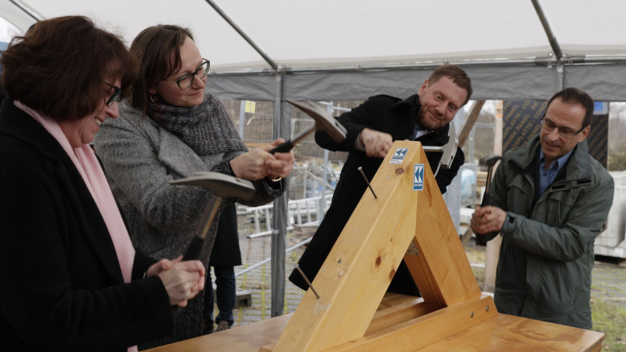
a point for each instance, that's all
(140, 158)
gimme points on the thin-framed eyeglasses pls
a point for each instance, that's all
(116, 96)
(564, 132)
(186, 80)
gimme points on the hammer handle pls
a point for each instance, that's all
(194, 249)
(486, 196)
(197, 242)
(283, 148)
(486, 199)
(287, 146)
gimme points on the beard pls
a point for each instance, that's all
(431, 122)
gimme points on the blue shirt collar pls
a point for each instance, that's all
(560, 162)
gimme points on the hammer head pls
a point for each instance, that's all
(323, 120)
(489, 160)
(221, 185)
(449, 149)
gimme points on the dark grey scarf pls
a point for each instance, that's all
(206, 128)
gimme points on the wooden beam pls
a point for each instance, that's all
(425, 330)
(469, 122)
(440, 268)
(493, 246)
(355, 276)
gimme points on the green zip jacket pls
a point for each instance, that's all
(544, 271)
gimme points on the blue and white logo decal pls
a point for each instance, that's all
(418, 177)
(399, 155)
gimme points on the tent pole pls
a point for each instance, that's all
(560, 75)
(279, 220)
(553, 43)
(243, 34)
(543, 61)
(546, 27)
(429, 66)
(26, 11)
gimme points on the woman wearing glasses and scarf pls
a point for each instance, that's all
(170, 129)
(71, 279)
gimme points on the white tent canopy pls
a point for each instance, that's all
(349, 49)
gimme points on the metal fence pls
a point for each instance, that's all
(311, 183)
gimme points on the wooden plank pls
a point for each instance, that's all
(501, 333)
(425, 330)
(509, 333)
(355, 276)
(394, 309)
(247, 338)
(470, 121)
(400, 313)
(441, 269)
(493, 246)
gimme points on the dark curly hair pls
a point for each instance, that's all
(60, 65)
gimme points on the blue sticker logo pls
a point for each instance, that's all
(399, 155)
(418, 177)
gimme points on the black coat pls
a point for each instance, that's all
(226, 250)
(385, 114)
(61, 283)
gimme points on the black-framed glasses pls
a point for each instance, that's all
(564, 132)
(185, 81)
(117, 94)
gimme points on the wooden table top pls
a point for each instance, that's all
(501, 333)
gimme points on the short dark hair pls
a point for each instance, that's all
(456, 74)
(158, 50)
(572, 96)
(59, 66)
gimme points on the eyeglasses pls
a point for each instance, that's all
(185, 81)
(117, 94)
(564, 132)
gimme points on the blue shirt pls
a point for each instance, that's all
(546, 177)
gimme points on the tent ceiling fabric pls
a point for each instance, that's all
(327, 33)
(300, 34)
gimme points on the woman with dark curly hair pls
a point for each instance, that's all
(71, 279)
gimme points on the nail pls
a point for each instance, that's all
(368, 182)
(306, 280)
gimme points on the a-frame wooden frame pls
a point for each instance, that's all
(354, 313)
(409, 221)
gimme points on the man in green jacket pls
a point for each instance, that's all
(549, 201)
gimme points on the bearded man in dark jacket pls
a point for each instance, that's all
(371, 129)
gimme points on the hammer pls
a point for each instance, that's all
(448, 150)
(323, 121)
(222, 186)
(489, 161)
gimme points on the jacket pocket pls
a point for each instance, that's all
(559, 204)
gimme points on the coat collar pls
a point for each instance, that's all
(16, 123)
(409, 107)
(577, 167)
